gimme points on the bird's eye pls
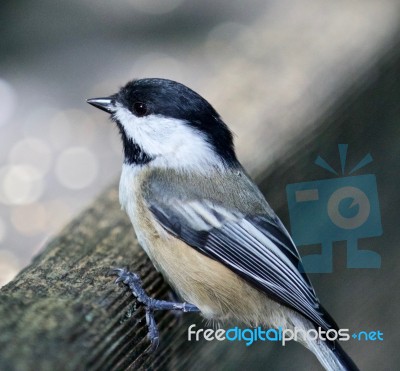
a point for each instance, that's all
(140, 109)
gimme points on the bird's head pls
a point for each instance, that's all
(164, 123)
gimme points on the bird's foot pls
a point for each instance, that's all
(132, 280)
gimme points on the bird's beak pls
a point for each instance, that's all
(105, 104)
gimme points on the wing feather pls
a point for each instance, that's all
(257, 247)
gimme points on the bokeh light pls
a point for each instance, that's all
(71, 126)
(29, 219)
(33, 152)
(58, 213)
(20, 184)
(76, 167)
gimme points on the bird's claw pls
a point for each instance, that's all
(132, 280)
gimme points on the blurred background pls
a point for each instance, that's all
(56, 152)
(293, 79)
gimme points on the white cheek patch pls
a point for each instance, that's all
(172, 142)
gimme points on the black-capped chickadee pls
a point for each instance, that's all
(204, 223)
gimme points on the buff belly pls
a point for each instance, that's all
(218, 292)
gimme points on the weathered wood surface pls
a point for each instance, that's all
(64, 310)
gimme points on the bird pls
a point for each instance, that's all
(204, 223)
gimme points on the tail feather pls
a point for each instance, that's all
(329, 353)
(343, 358)
(332, 356)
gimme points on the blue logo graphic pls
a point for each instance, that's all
(339, 209)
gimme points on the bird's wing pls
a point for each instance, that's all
(257, 247)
